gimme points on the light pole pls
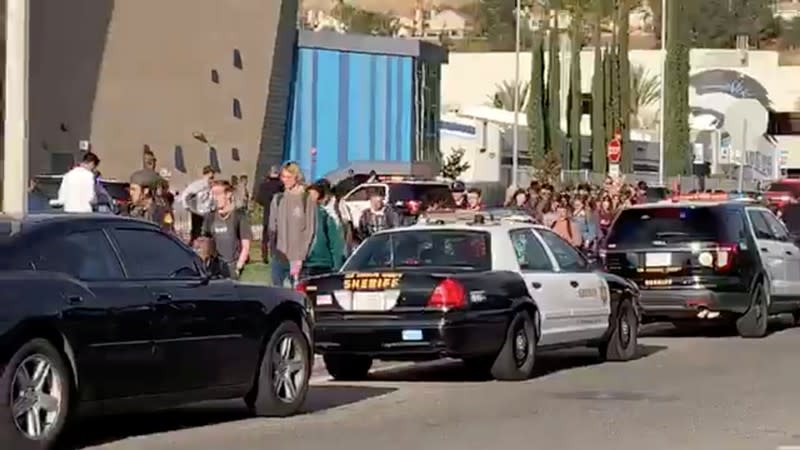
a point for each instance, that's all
(515, 151)
(15, 160)
(663, 88)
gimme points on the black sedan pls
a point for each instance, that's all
(101, 313)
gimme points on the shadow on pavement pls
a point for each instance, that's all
(710, 329)
(104, 430)
(448, 371)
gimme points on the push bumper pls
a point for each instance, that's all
(683, 304)
(411, 339)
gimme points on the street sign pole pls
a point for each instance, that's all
(15, 158)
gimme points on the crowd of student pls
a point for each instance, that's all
(308, 231)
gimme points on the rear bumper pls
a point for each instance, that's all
(681, 304)
(410, 339)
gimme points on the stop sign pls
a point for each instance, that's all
(614, 150)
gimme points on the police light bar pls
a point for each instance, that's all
(701, 197)
(452, 216)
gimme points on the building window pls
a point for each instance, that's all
(214, 76)
(784, 124)
(235, 154)
(180, 162)
(213, 159)
(237, 108)
(237, 59)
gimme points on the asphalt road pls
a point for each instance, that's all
(712, 391)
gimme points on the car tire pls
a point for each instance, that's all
(623, 341)
(347, 367)
(754, 323)
(46, 397)
(516, 358)
(287, 355)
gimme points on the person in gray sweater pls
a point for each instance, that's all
(292, 223)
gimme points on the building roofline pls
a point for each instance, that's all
(381, 45)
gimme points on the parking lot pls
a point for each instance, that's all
(703, 389)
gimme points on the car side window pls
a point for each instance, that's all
(760, 227)
(86, 255)
(149, 254)
(531, 254)
(775, 226)
(569, 259)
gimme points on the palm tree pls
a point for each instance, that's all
(645, 91)
(503, 96)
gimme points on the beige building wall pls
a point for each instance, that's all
(128, 73)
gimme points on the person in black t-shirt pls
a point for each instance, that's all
(229, 227)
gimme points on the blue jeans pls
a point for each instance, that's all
(280, 271)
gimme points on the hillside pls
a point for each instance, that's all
(404, 7)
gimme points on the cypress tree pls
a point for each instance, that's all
(598, 96)
(554, 89)
(623, 31)
(608, 114)
(536, 100)
(575, 94)
(676, 90)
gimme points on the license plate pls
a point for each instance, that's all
(412, 335)
(374, 301)
(658, 259)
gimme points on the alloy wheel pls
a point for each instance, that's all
(624, 330)
(36, 396)
(289, 369)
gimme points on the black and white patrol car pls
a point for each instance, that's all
(706, 257)
(491, 293)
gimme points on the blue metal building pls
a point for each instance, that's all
(363, 102)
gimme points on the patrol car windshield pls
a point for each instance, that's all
(642, 227)
(423, 249)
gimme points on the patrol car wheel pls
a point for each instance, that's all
(282, 381)
(347, 367)
(623, 339)
(34, 397)
(753, 324)
(518, 354)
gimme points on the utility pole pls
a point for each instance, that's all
(663, 88)
(515, 151)
(15, 158)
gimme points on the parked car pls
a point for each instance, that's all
(724, 260)
(492, 293)
(408, 196)
(100, 313)
(48, 186)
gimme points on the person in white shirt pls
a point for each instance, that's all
(197, 199)
(77, 191)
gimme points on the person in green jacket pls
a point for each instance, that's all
(326, 253)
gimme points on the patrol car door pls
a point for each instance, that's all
(590, 309)
(791, 256)
(771, 251)
(548, 289)
(357, 201)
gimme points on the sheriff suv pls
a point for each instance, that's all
(713, 259)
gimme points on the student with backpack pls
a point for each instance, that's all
(229, 227)
(327, 250)
(292, 223)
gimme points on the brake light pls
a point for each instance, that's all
(413, 206)
(449, 294)
(301, 287)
